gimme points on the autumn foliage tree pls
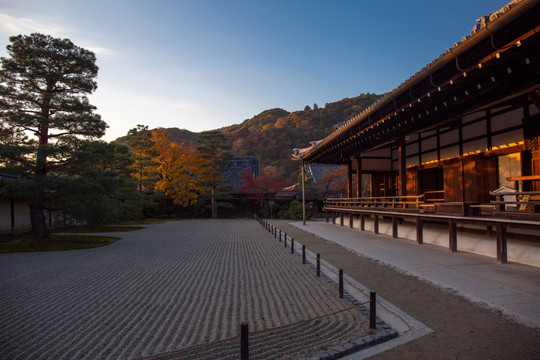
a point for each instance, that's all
(333, 181)
(268, 183)
(179, 170)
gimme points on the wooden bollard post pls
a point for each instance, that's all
(452, 234)
(285, 242)
(340, 287)
(292, 246)
(303, 254)
(279, 235)
(318, 265)
(372, 310)
(244, 341)
(419, 230)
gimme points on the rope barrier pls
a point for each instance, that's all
(331, 270)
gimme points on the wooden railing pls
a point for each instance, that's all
(517, 200)
(434, 196)
(501, 224)
(393, 202)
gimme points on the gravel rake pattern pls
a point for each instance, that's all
(166, 289)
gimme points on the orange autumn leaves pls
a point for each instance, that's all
(178, 168)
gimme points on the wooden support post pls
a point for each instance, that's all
(244, 341)
(376, 223)
(358, 161)
(362, 222)
(402, 154)
(341, 218)
(419, 230)
(502, 244)
(333, 217)
(318, 265)
(340, 287)
(394, 227)
(349, 179)
(326, 216)
(452, 235)
(372, 310)
(351, 220)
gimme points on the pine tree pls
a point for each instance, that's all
(44, 85)
(214, 154)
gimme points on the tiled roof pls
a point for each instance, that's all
(479, 31)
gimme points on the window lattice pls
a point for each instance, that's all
(531, 144)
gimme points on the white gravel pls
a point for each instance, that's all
(166, 289)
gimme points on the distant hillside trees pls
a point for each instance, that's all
(272, 134)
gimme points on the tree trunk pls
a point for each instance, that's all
(37, 217)
(214, 208)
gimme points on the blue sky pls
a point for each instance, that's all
(204, 64)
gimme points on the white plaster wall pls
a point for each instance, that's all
(519, 251)
(22, 215)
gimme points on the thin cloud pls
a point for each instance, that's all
(22, 25)
(98, 50)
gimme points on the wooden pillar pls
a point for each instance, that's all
(351, 220)
(402, 152)
(376, 223)
(452, 235)
(341, 218)
(358, 161)
(394, 226)
(502, 244)
(362, 222)
(526, 169)
(419, 230)
(349, 179)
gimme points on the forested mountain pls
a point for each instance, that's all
(180, 136)
(272, 134)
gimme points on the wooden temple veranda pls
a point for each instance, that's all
(458, 142)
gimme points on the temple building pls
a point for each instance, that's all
(462, 128)
(233, 171)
